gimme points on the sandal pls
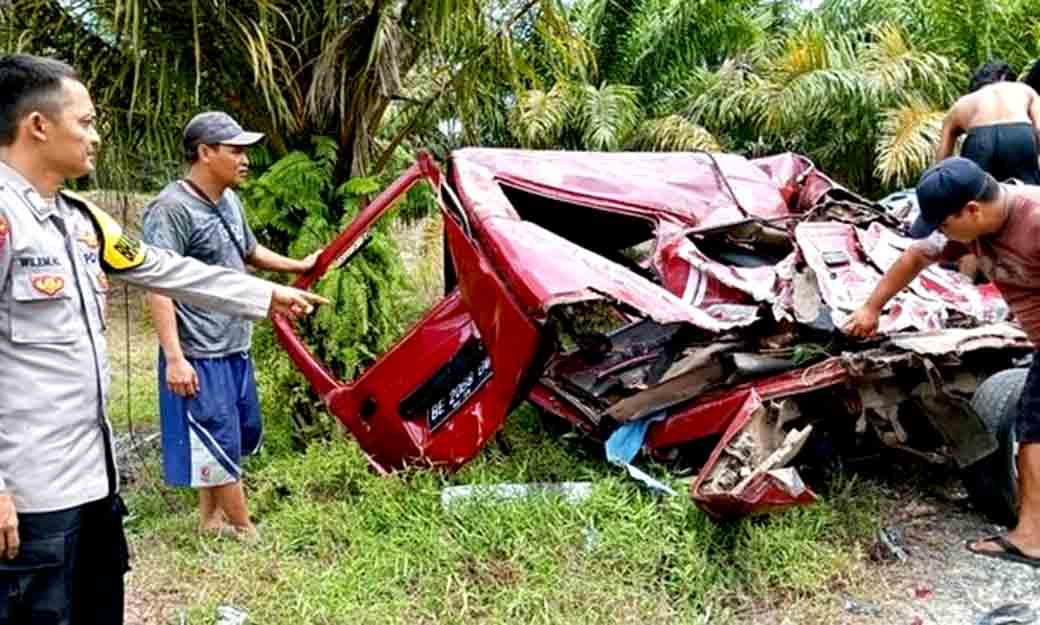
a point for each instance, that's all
(1008, 551)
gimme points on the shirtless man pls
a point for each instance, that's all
(1032, 77)
(1001, 118)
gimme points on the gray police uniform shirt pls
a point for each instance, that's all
(180, 221)
(55, 439)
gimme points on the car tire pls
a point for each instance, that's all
(992, 483)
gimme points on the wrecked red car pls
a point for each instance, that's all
(681, 304)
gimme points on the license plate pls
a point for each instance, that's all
(457, 394)
(450, 386)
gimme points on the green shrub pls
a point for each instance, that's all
(295, 206)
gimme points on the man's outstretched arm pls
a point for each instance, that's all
(263, 258)
(864, 321)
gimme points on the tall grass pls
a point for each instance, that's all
(343, 545)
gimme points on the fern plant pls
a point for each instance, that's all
(294, 205)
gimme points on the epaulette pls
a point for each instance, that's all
(119, 252)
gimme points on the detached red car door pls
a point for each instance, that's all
(446, 387)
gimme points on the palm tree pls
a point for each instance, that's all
(291, 69)
(842, 98)
(643, 49)
(858, 85)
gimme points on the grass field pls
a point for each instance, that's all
(344, 545)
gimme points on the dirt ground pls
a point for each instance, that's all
(939, 582)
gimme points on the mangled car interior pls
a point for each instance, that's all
(685, 305)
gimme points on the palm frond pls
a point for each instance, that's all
(346, 75)
(813, 77)
(730, 96)
(269, 63)
(540, 116)
(673, 133)
(665, 36)
(567, 55)
(893, 64)
(909, 135)
(608, 114)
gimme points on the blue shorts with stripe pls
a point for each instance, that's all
(205, 437)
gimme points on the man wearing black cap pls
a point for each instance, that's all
(1001, 226)
(208, 404)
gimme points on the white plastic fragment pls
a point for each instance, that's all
(570, 492)
(228, 615)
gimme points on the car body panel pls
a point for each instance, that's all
(609, 288)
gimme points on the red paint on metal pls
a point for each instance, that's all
(764, 492)
(511, 272)
(680, 187)
(713, 412)
(549, 401)
(316, 373)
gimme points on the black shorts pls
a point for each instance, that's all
(1005, 151)
(1027, 426)
(69, 569)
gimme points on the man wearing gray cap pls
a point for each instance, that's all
(208, 404)
(1001, 225)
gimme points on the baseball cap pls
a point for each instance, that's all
(217, 127)
(943, 190)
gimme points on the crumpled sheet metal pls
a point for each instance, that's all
(727, 293)
(680, 192)
(714, 411)
(846, 281)
(953, 289)
(585, 276)
(757, 282)
(846, 263)
(683, 187)
(962, 340)
(513, 273)
(759, 492)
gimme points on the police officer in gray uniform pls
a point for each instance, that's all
(62, 548)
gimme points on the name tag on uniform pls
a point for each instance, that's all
(38, 262)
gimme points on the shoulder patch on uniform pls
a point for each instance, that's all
(5, 229)
(88, 238)
(118, 251)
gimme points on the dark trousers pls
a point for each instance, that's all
(1027, 425)
(69, 569)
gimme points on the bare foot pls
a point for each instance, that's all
(211, 524)
(246, 533)
(221, 530)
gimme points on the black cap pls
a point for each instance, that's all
(217, 127)
(943, 190)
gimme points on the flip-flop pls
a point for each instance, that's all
(1008, 551)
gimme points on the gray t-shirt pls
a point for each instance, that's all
(178, 220)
